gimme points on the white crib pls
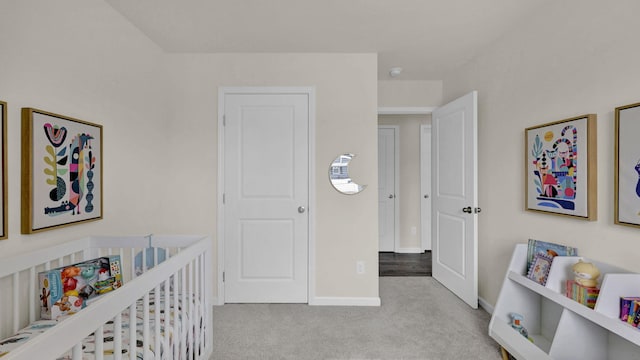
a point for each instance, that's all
(141, 316)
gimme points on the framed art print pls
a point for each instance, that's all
(3, 169)
(627, 165)
(61, 171)
(560, 167)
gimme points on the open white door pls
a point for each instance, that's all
(455, 201)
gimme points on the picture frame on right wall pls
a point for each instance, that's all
(627, 165)
(561, 168)
(3, 169)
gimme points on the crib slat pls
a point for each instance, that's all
(16, 302)
(156, 319)
(77, 351)
(183, 307)
(144, 260)
(190, 306)
(132, 331)
(33, 285)
(176, 305)
(145, 324)
(167, 316)
(117, 337)
(199, 317)
(99, 335)
(133, 267)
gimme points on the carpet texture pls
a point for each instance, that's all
(418, 319)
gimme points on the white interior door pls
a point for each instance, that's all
(266, 192)
(455, 201)
(387, 187)
(425, 186)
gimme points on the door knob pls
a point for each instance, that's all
(391, 196)
(301, 209)
(467, 210)
(426, 196)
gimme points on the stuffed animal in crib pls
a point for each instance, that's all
(586, 274)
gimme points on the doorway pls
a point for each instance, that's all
(408, 257)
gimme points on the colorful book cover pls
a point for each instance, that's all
(625, 306)
(551, 249)
(632, 312)
(636, 319)
(539, 269)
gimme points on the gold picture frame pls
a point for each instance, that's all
(4, 217)
(627, 166)
(561, 168)
(61, 171)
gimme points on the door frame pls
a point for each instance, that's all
(425, 236)
(396, 184)
(311, 94)
(409, 110)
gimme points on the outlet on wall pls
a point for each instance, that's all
(360, 267)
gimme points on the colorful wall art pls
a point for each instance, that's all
(627, 163)
(61, 171)
(561, 167)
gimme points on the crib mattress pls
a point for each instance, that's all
(88, 344)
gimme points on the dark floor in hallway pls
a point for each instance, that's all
(395, 264)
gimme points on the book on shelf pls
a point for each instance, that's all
(547, 248)
(584, 295)
(626, 304)
(539, 268)
(634, 314)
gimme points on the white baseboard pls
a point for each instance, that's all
(485, 305)
(216, 301)
(344, 301)
(409, 251)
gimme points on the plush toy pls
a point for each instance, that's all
(586, 273)
(516, 323)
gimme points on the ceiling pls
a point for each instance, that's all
(425, 37)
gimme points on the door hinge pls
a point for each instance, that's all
(224, 199)
(223, 276)
(224, 120)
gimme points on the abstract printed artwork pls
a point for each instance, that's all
(627, 163)
(61, 171)
(560, 167)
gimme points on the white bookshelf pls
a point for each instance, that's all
(562, 328)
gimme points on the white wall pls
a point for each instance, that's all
(159, 112)
(571, 58)
(80, 58)
(409, 93)
(346, 121)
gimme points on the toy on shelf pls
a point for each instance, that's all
(516, 323)
(586, 274)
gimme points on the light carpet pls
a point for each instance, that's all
(418, 319)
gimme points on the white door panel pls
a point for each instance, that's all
(387, 188)
(265, 182)
(455, 203)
